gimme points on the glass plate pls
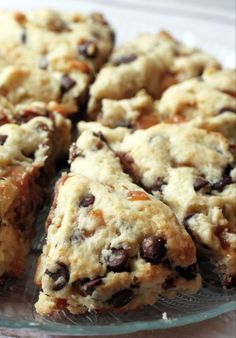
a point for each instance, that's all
(208, 24)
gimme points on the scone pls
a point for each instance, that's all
(30, 142)
(110, 245)
(193, 172)
(23, 113)
(206, 102)
(67, 48)
(150, 62)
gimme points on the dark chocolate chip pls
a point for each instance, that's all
(228, 170)
(23, 36)
(153, 249)
(117, 260)
(200, 183)
(168, 283)
(157, 185)
(88, 49)
(66, 84)
(90, 285)
(87, 200)
(188, 272)
(3, 139)
(3, 118)
(125, 59)
(43, 62)
(226, 110)
(219, 186)
(121, 298)
(60, 277)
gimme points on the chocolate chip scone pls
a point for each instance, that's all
(205, 102)
(193, 172)
(68, 49)
(136, 248)
(22, 113)
(30, 142)
(150, 62)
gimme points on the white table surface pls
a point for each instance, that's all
(223, 326)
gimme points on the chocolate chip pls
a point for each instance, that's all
(3, 139)
(157, 185)
(200, 183)
(43, 62)
(219, 186)
(88, 49)
(87, 200)
(226, 110)
(90, 285)
(153, 249)
(121, 298)
(23, 36)
(117, 260)
(3, 118)
(188, 272)
(125, 59)
(60, 277)
(168, 283)
(66, 84)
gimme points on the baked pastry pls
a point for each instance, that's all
(193, 172)
(205, 102)
(68, 49)
(150, 62)
(30, 142)
(136, 248)
(23, 113)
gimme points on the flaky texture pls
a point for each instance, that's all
(30, 142)
(192, 171)
(150, 62)
(51, 56)
(136, 248)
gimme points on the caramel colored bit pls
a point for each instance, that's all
(62, 109)
(61, 303)
(147, 121)
(19, 17)
(138, 196)
(78, 65)
(98, 214)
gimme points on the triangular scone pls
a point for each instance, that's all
(110, 245)
(192, 171)
(206, 102)
(31, 140)
(53, 56)
(152, 62)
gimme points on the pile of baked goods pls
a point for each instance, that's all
(151, 187)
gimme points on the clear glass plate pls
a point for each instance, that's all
(207, 24)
